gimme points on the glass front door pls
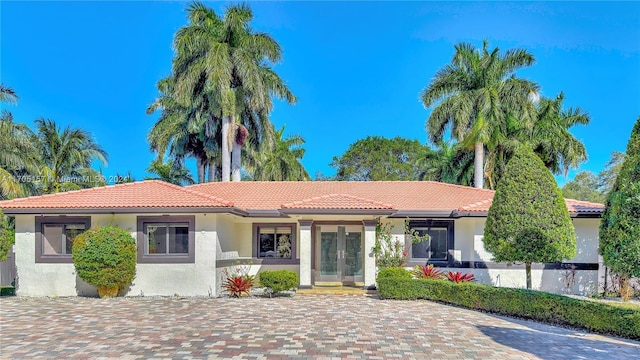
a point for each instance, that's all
(339, 254)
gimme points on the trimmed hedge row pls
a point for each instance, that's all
(528, 304)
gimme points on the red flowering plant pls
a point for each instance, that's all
(458, 277)
(238, 282)
(427, 272)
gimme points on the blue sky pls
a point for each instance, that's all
(356, 67)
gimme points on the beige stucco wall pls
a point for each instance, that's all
(192, 279)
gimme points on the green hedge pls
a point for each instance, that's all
(394, 272)
(529, 304)
(7, 291)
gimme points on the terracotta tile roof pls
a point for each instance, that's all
(337, 201)
(143, 194)
(409, 196)
(400, 195)
(574, 206)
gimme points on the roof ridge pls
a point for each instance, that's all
(333, 195)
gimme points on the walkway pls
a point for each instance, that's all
(303, 327)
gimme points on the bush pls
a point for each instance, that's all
(394, 272)
(529, 304)
(105, 257)
(7, 236)
(279, 280)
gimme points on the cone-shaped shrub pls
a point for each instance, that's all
(620, 226)
(528, 221)
(105, 257)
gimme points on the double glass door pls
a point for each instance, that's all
(339, 254)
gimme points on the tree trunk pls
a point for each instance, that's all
(226, 152)
(478, 169)
(213, 169)
(236, 160)
(201, 170)
(528, 270)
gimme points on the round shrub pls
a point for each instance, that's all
(105, 257)
(279, 280)
(394, 272)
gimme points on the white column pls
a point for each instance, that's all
(369, 259)
(305, 253)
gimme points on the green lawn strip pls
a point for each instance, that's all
(529, 304)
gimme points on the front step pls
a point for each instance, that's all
(335, 290)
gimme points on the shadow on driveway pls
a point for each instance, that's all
(562, 344)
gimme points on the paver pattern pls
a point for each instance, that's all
(302, 327)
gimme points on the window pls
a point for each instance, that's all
(275, 243)
(166, 239)
(436, 245)
(55, 236)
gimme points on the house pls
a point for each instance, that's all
(322, 230)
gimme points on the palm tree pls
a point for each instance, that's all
(547, 134)
(66, 156)
(448, 162)
(7, 95)
(474, 94)
(282, 162)
(170, 173)
(185, 130)
(18, 157)
(235, 61)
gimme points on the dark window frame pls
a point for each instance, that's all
(144, 258)
(275, 261)
(41, 221)
(430, 223)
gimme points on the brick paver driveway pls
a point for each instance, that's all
(309, 326)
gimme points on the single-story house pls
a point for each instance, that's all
(322, 230)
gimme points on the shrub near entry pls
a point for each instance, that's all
(106, 258)
(278, 281)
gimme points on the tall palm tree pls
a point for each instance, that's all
(186, 130)
(66, 156)
(282, 162)
(547, 134)
(169, 173)
(474, 94)
(18, 157)
(236, 64)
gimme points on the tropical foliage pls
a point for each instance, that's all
(219, 91)
(475, 95)
(280, 161)
(528, 220)
(170, 173)
(620, 226)
(427, 272)
(493, 112)
(46, 161)
(7, 235)
(590, 187)
(376, 158)
(237, 282)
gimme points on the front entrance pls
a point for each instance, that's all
(339, 254)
